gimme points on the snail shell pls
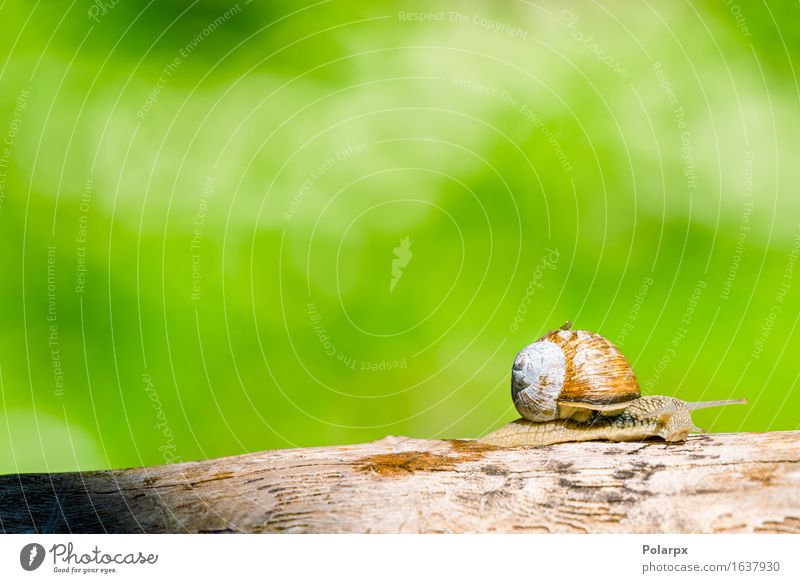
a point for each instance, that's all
(572, 373)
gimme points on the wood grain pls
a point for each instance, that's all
(743, 482)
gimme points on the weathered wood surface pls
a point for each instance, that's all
(745, 482)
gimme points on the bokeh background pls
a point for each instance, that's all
(232, 227)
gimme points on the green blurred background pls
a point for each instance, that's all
(232, 227)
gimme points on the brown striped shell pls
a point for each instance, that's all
(571, 373)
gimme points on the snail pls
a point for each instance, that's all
(574, 385)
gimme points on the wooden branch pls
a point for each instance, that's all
(744, 482)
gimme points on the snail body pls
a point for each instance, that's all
(574, 385)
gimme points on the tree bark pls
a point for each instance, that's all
(741, 482)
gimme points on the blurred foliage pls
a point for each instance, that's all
(281, 152)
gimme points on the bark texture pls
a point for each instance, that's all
(742, 482)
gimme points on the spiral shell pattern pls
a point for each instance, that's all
(570, 366)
